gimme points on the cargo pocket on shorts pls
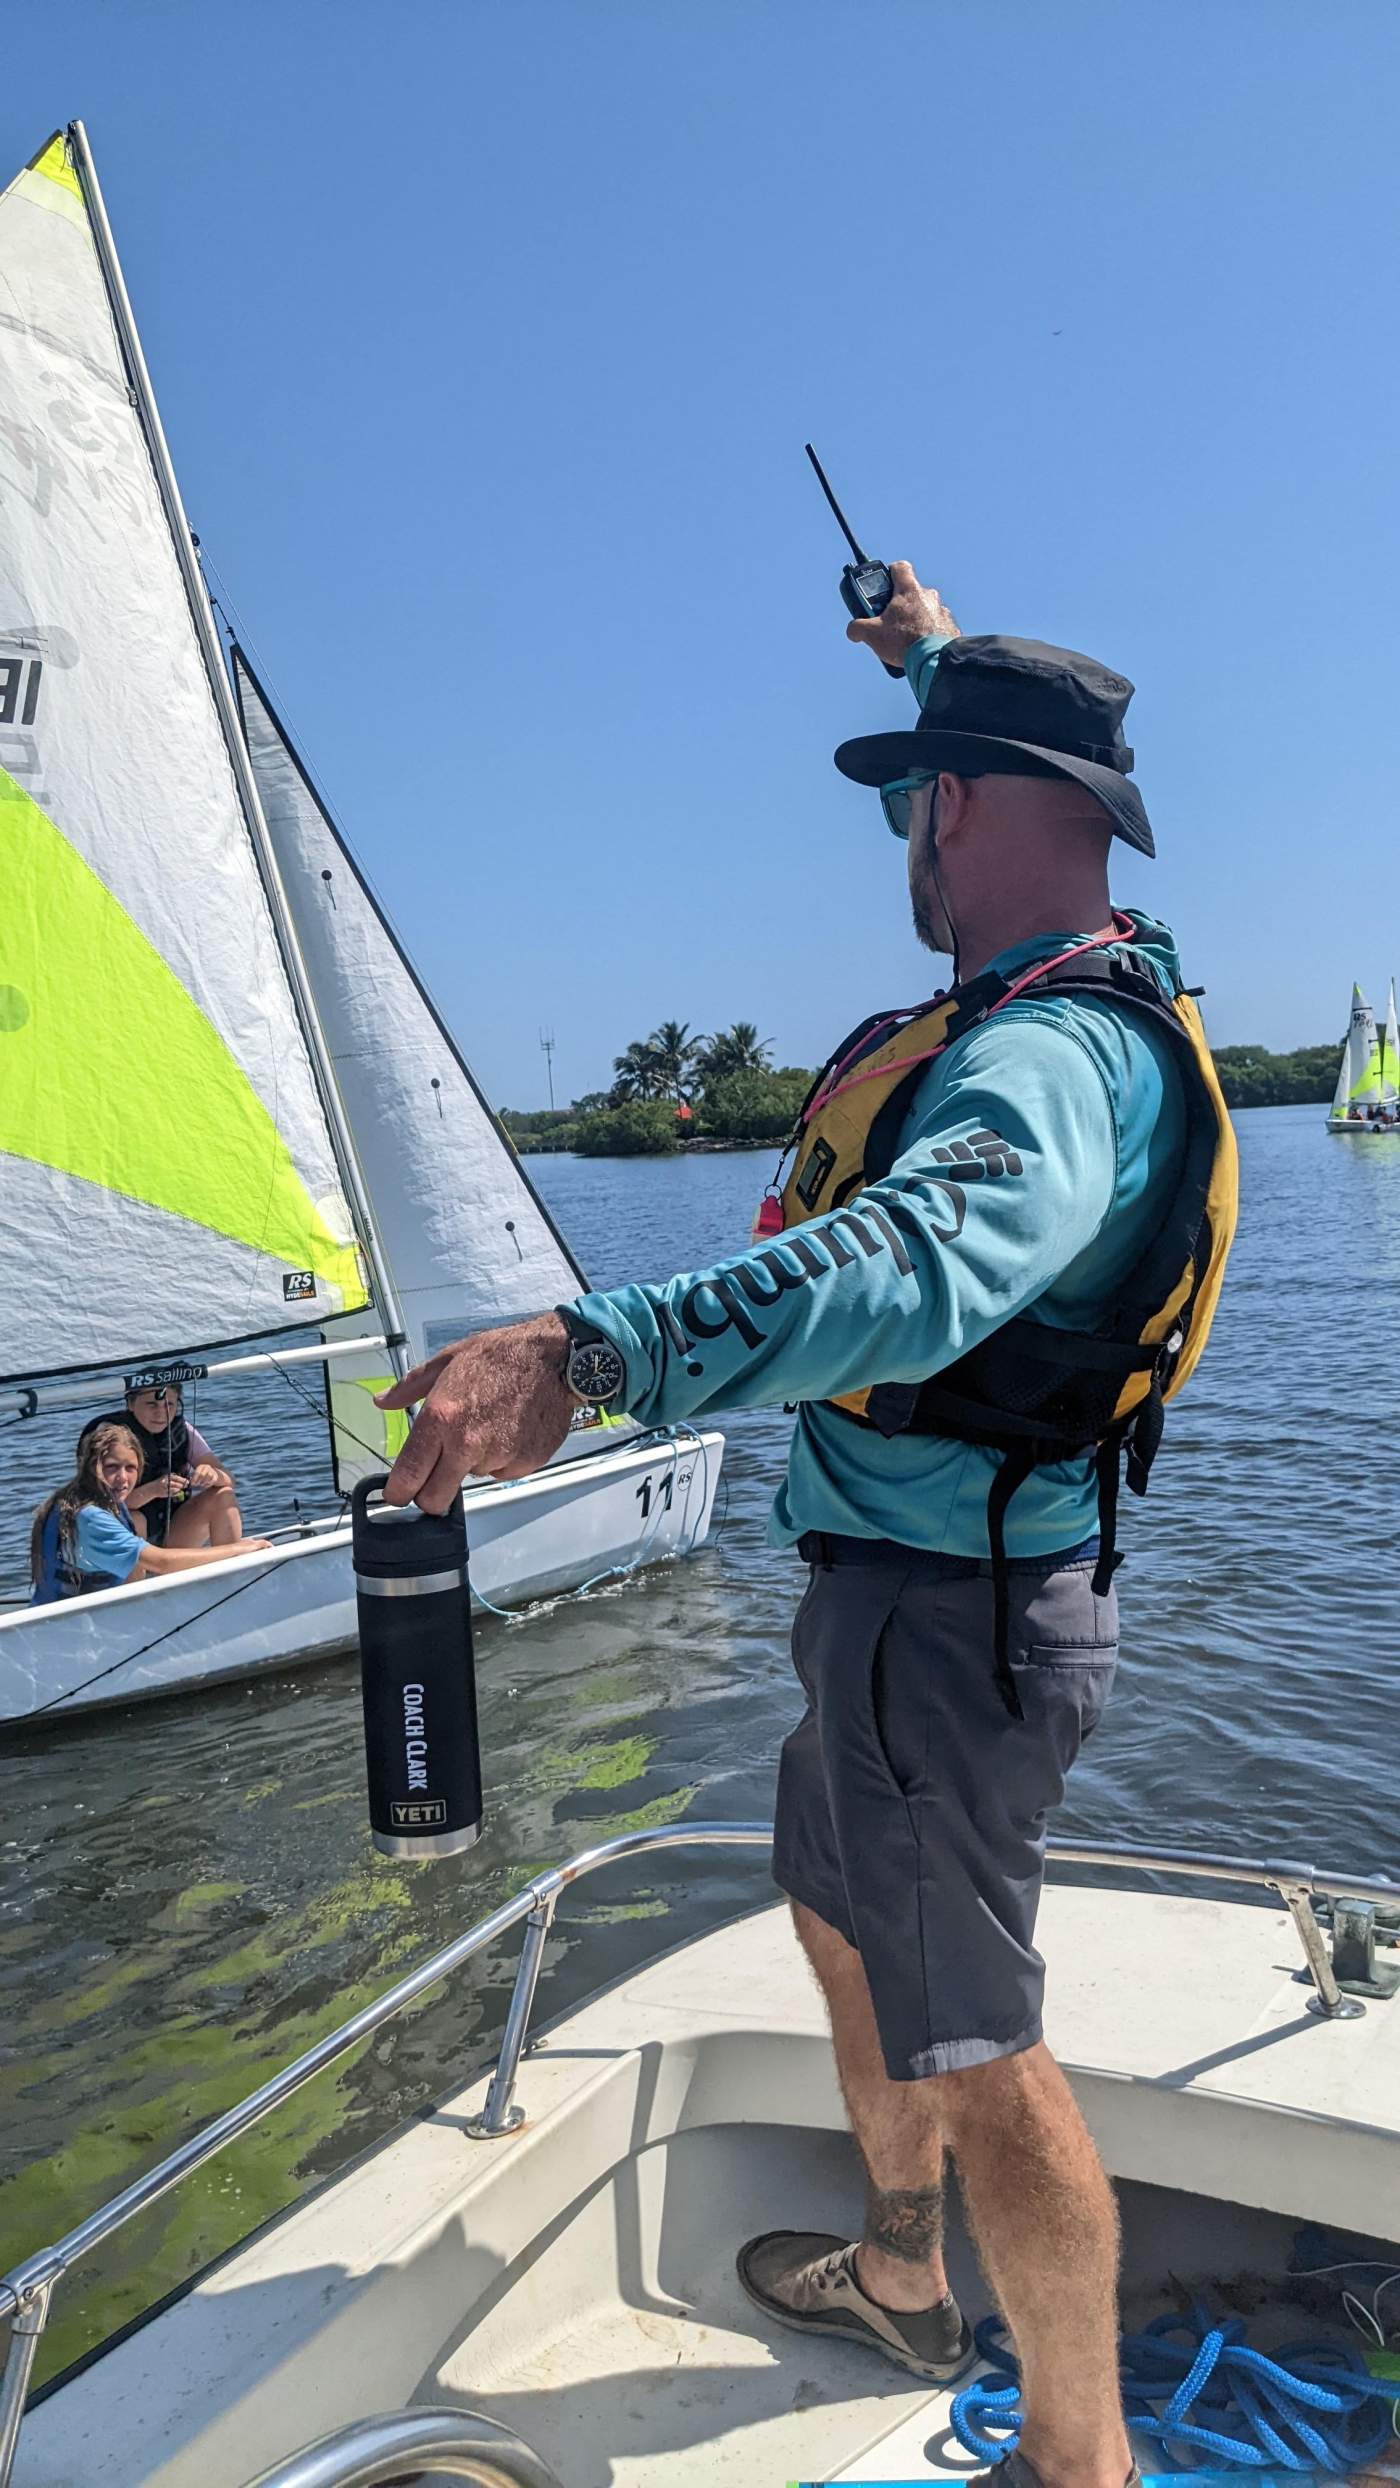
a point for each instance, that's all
(1064, 1689)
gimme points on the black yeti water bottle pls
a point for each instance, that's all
(418, 1676)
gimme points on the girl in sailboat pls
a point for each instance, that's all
(86, 1537)
(185, 1494)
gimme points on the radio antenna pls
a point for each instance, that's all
(836, 510)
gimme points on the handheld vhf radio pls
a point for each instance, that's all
(866, 586)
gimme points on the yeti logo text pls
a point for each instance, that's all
(415, 1742)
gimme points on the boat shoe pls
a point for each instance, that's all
(807, 2280)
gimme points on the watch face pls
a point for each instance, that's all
(596, 1371)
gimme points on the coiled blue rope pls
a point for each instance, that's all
(1193, 2382)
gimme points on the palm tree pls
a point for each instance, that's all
(638, 1075)
(739, 1048)
(675, 1052)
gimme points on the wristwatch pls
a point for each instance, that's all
(595, 1371)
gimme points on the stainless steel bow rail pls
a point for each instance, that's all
(26, 2291)
(443, 2444)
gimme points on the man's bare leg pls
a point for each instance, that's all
(1046, 2226)
(901, 2255)
(1040, 2207)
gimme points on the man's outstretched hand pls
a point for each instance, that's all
(913, 612)
(493, 1406)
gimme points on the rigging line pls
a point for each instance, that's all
(376, 1451)
(129, 1657)
(719, 1528)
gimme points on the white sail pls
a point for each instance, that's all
(465, 1237)
(1390, 1055)
(1358, 1078)
(169, 1177)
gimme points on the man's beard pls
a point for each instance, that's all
(931, 921)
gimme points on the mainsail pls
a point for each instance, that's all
(465, 1237)
(1390, 1055)
(1359, 1077)
(169, 1176)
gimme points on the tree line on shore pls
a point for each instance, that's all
(1251, 1076)
(672, 1090)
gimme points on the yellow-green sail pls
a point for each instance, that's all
(168, 1173)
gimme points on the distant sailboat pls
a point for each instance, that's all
(1368, 1078)
(227, 1106)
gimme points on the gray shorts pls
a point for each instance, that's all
(911, 1804)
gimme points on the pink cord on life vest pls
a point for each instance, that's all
(1121, 930)
(861, 1048)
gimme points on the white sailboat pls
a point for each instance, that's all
(223, 1115)
(1368, 1076)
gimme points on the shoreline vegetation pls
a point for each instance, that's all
(673, 1091)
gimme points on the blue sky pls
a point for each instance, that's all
(487, 339)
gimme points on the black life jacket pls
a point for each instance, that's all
(1037, 1394)
(167, 1451)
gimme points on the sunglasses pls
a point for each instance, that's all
(897, 799)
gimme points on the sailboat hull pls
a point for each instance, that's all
(555, 1530)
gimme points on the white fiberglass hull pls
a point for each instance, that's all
(1362, 1130)
(651, 1497)
(574, 2279)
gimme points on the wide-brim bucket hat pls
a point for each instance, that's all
(1016, 707)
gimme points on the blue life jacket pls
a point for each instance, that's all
(59, 1579)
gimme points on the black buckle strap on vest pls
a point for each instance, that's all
(891, 1408)
(1015, 1468)
(1106, 1460)
(1146, 1434)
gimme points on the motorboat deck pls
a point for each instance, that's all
(570, 2277)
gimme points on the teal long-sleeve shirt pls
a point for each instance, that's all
(1036, 1161)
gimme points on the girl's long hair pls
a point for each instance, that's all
(94, 1443)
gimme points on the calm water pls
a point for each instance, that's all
(189, 1890)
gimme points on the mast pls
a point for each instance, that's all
(206, 632)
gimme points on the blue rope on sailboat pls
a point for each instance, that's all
(1194, 2382)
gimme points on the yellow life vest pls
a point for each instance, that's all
(1038, 1393)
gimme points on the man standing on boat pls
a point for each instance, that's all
(1002, 1236)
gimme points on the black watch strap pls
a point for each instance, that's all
(583, 1334)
